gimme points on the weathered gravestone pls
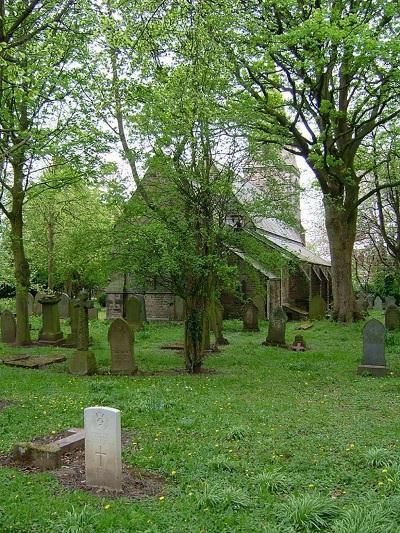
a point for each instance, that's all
(317, 308)
(8, 327)
(179, 310)
(121, 339)
(72, 340)
(276, 328)
(370, 300)
(259, 302)
(37, 306)
(134, 313)
(50, 333)
(93, 313)
(392, 317)
(103, 448)
(373, 359)
(63, 306)
(83, 361)
(31, 304)
(250, 317)
(378, 304)
(390, 300)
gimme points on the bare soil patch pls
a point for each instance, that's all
(7, 403)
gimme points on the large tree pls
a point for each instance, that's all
(322, 76)
(40, 59)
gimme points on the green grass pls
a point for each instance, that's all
(274, 441)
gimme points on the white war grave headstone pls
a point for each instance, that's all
(103, 448)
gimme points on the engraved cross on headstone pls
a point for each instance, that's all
(100, 454)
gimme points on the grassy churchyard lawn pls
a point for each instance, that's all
(273, 441)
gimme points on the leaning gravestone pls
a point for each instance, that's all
(31, 304)
(103, 448)
(8, 327)
(378, 304)
(392, 317)
(317, 308)
(50, 332)
(134, 313)
(276, 328)
(121, 339)
(63, 306)
(83, 362)
(373, 359)
(250, 317)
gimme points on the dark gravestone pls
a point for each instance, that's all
(50, 332)
(259, 302)
(143, 313)
(93, 313)
(370, 300)
(72, 339)
(121, 339)
(31, 304)
(378, 304)
(317, 308)
(37, 306)
(373, 359)
(390, 300)
(392, 317)
(250, 317)
(276, 328)
(63, 306)
(217, 324)
(134, 313)
(83, 362)
(8, 327)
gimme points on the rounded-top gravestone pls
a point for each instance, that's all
(373, 358)
(63, 306)
(134, 313)
(317, 308)
(378, 304)
(392, 317)
(250, 317)
(121, 339)
(8, 327)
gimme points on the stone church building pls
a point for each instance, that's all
(291, 286)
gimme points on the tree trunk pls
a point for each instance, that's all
(194, 311)
(21, 272)
(341, 226)
(50, 252)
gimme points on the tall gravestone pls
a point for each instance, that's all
(317, 308)
(392, 317)
(72, 339)
(378, 304)
(8, 327)
(250, 317)
(370, 300)
(31, 304)
(83, 361)
(103, 465)
(50, 332)
(134, 313)
(259, 302)
(121, 339)
(373, 358)
(276, 328)
(179, 311)
(63, 306)
(37, 306)
(217, 324)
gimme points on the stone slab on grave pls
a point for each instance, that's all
(31, 361)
